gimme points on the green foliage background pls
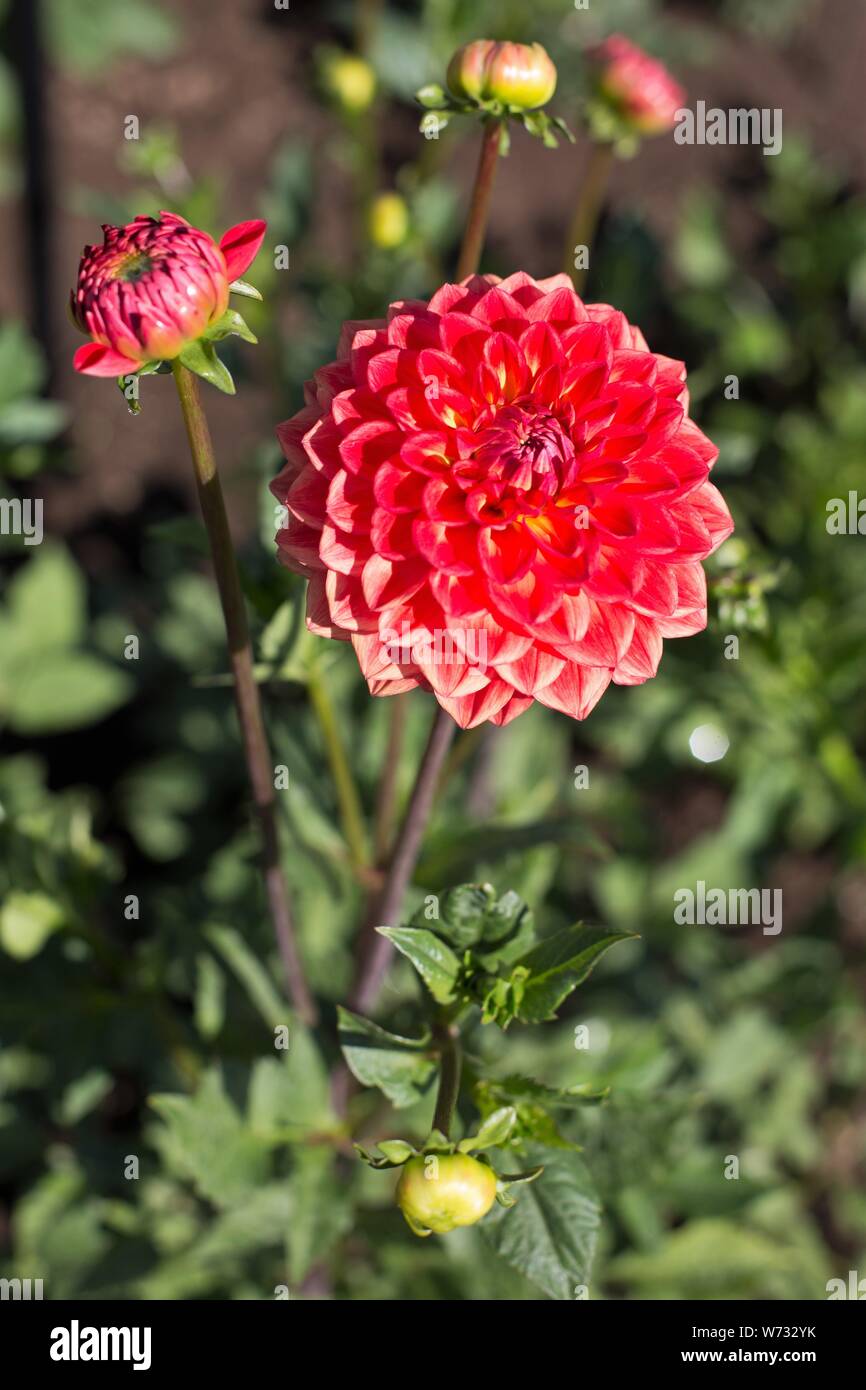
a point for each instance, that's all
(151, 1036)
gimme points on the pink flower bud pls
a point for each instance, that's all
(517, 74)
(640, 89)
(153, 288)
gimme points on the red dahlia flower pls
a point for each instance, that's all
(639, 88)
(499, 496)
(153, 288)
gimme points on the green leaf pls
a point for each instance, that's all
(533, 1103)
(321, 1210)
(210, 996)
(435, 962)
(231, 322)
(397, 1150)
(201, 357)
(242, 287)
(47, 602)
(400, 1067)
(204, 1138)
(83, 1095)
(494, 1132)
(22, 367)
(432, 95)
(64, 690)
(254, 977)
(526, 1088)
(27, 920)
(31, 422)
(550, 1234)
(558, 965)
(393, 1153)
(289, 1095)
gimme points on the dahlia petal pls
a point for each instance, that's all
(349, 503)
(391, 535)
(505, 553)
(500, 311)
(462, 336)
(379, 655)
(641, 661)
(350, 330)
(518, 704)
(710, 504)
(561, 308)
(541, 347)
(342, 551)
(532, 671)
(384, 582)
(398, 489)
(471, 710)
(94, 359)
(449, 549)
(319, 612)
(307, 496)
(375, 370)
(346, 603)
(369, 445)
(576, 691)
(695, 540)
(240, 246)
(298, 547)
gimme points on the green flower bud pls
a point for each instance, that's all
(439, 1192)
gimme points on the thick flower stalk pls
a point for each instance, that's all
(155, 292)
(499, 496)
(155, 289)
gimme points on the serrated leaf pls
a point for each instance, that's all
(400, 1067)
(517, 1088)
(558, 965)
(494, 1131)
(204, 1138)
(550, 1234)
(201, 358)
(434, 960)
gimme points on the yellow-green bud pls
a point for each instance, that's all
(388, 221)
(438, 1192)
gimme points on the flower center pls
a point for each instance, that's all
(528, 450)
(133, 268)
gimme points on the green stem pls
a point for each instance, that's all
(258, 757)
(367, 16)
(375, 951)
(589, 205)
(348, 798)
(479, 209)
(450, 1057)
